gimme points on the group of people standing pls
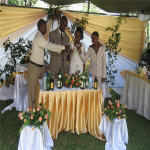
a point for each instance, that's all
(65, 56)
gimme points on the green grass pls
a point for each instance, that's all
(138, 128)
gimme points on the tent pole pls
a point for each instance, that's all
(88, 10)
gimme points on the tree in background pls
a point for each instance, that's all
(13, 2)
(28, 3)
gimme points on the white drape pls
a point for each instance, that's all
(136, 95)
(35, 138)
(116, 133)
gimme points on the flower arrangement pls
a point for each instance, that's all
(34, 116)
(72, 81)
(115, 110)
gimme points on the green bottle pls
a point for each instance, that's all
(83, 83)
(52, 83)
(59, 81)
(48, 81)
(95, 83)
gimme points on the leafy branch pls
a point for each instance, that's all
(15, 53)
(112, 49)
(79, 23)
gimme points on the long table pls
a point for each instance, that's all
(78, 111)
(136, 93)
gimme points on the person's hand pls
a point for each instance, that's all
(71, 51)
(79, 50)
(103, 80)
(67, 47)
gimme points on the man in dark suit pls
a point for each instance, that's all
(59, 36)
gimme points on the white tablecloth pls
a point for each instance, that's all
(136, 95)
(20, 91)
(35, 139)
(116, 133)
(104, 88)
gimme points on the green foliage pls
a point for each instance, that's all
(13, 2)
(112, 50)
(34, 117)
(16, 53)
(53, 12)
(79, 23)
(28, 3)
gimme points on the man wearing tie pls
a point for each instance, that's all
(59, 36)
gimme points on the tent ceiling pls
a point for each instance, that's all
(118, 6)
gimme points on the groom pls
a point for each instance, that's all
(59, 36)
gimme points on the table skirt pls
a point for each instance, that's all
(77, 111)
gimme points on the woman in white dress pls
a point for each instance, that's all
(97, 56)
(77, 61)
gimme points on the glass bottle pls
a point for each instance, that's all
(82, 84)
(95, 83)
(87, 82)
(45, 81)
(59, 81)
(90, 81)
(48, 81)
(52, 83)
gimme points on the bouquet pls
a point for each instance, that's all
(115, 110)
(34, 117)
(72, 81)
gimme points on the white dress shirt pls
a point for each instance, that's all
(39, 44)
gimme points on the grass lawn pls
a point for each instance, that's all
(138, 128)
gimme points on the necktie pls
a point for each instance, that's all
(62, 37)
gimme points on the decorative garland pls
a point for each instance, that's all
(112, 50)
(16, 53)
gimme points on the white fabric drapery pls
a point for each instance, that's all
(116, 133)
(20, 91)
(136, 95)
(35, 138)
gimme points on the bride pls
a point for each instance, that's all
(77, 60)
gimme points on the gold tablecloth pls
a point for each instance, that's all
(77, 111)
(125, 72)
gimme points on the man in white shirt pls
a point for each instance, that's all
(36, 65)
